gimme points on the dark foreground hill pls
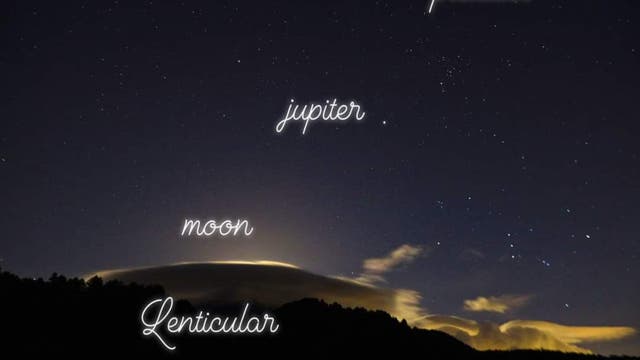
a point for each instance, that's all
(74, 318)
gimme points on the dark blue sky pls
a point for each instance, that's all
(509, 148)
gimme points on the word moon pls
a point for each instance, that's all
(157, 316)
(211, 227)
(330, 111)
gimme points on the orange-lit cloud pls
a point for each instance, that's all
(498, 304)
(373, 269)
(572, 334)
(404, 254)
(523, 334)
(516, 334)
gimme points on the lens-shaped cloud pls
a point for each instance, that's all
(571, 334)
(523, 334)
(267, 283)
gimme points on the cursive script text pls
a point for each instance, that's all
(330, 111)
(211, 227)
(157, 320)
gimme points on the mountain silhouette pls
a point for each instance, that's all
(78, 318)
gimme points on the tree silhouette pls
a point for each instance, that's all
(76, 318)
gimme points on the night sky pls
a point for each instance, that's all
(501, 138)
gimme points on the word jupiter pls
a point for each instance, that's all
(329, 111)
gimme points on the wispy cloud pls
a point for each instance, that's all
(402, 255)
(498, 304)
(471, 254)
(373, 269)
